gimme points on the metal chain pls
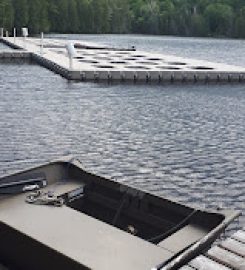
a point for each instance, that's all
(48, 197)
(44, 198)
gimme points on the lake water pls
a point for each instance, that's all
(3, 47)
(181, 141)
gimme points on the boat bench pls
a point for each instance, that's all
(186, 236)
(67, 239)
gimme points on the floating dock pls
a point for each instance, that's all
(15, 54)
(95, 62)
(228, 255)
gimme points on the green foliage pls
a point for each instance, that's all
(240, 24)
(73, 21)
(21, 13)
(38, 16)
(120, 16)
(198, 25)
(166, 17)
(6, 14)
(219, 18)
(224, 18)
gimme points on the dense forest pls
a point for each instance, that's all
(220, 18)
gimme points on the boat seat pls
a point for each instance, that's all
(184, 237)
(67, 239)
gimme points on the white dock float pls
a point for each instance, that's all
(99, 63)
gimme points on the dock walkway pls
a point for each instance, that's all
(95, 62)
(228, 255)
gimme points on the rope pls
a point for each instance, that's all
(119, 210)
(160, 237)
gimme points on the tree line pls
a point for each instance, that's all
(219, 18)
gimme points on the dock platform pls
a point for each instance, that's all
(100, 63)
(15, 56)
(227, 255)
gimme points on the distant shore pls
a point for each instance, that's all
(225, 19)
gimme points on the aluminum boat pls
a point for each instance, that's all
(60, 216)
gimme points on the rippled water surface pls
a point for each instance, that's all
(181, 141)
(3, 47)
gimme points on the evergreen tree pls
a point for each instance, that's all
(44, 18)
(198, 26)
(167, 10)
(21, 13)
(6, 14)
(171, 17)
(120, 16)
(63, 17)
(219, 19)
(73, 21)
(84, 18)
(53, 15)
(38, 16)
(240, 24)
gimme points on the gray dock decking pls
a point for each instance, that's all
(227, 255)
(100, 63)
